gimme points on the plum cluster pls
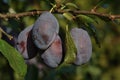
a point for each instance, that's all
(42, 38)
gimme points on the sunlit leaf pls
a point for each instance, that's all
(70, 53)
(15, 60)
(86, 19)
(71, 5)
(68, 16)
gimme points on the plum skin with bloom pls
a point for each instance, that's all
(83, 44)
(43, 36)
(24, 40)
(53, 55)
(44, 30)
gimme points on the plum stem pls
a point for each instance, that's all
(54, 6)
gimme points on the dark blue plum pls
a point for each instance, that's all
(25, 44)
(83, 45)
(53, 55)
(44, 30)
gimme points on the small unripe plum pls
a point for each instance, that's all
(25, 45)
(53, 55)
(83, 45)
(44, 30)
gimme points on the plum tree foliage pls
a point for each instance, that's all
(48, 40)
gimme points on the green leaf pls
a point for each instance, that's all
(86, 19)
(103, 3)
(116, 21)
(71, 5)
(14, 58)
(68, 16)
(94, 33)
(100, 2)
(70, 54)
(32, 73)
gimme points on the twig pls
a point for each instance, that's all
(18, 15)
(9, 36)
(38, 12)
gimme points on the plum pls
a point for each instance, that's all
(25, 44)
(44, 30)
(53, 55)
(83, 45)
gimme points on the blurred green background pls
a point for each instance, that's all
(105, 61)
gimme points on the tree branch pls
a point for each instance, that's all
(38, 12)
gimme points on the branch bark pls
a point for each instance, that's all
(38, 12)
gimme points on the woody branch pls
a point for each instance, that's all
(38, 12)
